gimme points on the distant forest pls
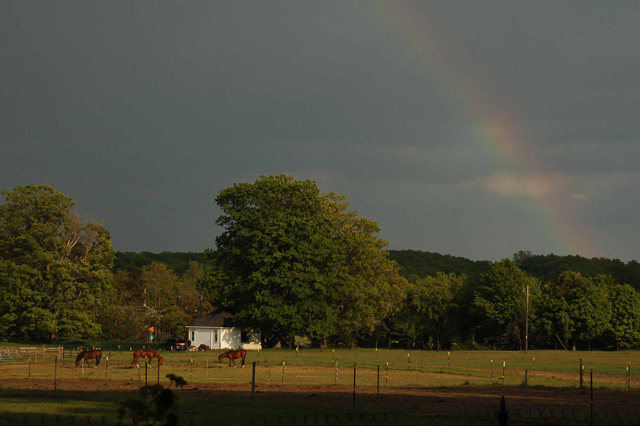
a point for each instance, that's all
(427, 264)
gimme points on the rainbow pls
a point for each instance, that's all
(555, 218)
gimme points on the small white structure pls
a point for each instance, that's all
(218, 331)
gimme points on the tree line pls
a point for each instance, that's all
(58, 281)
(293, 262)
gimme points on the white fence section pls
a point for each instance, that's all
(33, 352)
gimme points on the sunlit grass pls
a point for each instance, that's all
(331, 367)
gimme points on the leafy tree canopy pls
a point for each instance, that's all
(55, 267)
(292, 260)
(501, 299)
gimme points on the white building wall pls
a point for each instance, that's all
(228, 338)
(204, 336)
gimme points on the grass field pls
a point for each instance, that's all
(311, 380)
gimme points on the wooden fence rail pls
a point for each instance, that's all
(34, 352)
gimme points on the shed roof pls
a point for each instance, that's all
(217, 318)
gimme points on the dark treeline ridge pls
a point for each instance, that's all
(428, 264)
(178, 262)
(543, 267)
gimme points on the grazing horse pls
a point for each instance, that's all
(233, 355)
(86, 355)
(150, 354)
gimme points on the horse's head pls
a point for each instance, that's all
(221, 357)
(160, 359)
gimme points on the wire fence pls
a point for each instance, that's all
(406, 371)
(34, 352)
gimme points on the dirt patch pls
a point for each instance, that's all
(424, 399)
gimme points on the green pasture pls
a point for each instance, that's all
(307, 367)
(336, 366)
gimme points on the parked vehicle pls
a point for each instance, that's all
(175, 345)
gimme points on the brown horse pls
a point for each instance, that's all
(150, 354)
(233, 355)
(86, 355)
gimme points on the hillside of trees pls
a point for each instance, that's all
(293, 261)
(178, 262)
(428, 264)
(543, 267)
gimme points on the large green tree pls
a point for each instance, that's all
(294, 261)
(501, 302)
(55, 267)
(576, 308)
(125, 317)
(625, 315)
(431, 302)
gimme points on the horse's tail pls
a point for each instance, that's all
(79, 357)
(98, 358)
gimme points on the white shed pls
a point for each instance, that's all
(218, 331)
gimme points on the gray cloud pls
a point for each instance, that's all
(143, 112)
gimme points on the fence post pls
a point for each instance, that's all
(629, 376)
(503, 414)
(29, 367)
(335, 362)
(378, 382)
(581, 371)
(354, 384)
(283, 371)
(591, 397)
(55, 375)
(146, 364)
(253, 380)
(525, 384)
(492, 369)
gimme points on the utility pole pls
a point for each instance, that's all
(526, 324)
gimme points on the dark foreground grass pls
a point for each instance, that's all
(37, 407)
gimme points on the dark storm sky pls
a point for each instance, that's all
(470, 128)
